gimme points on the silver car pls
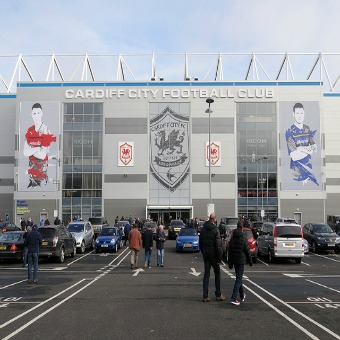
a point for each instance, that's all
(83, 232)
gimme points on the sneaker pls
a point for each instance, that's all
(244, 297)
(35, 281)
(149, 266)
(206, 300)
(220, 298)
(236, 303)
(157, 264)
(162, 265)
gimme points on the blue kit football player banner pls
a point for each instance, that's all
(300, 146)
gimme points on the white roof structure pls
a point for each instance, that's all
(171, 67)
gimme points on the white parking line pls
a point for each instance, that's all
(319, 284)
(325, 257)
(79, 258)
(12, 284)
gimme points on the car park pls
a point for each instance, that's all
(174, 228)
(12, 245)
(109, 239)
(8, 226)
(97, 224)
(281, 240)
(320, 236)
(83, 233)
(187, 240)
(57, 242)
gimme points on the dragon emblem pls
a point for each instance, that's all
(171, 143)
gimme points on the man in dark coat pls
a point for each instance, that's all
(147, 245)
(238, 256)
(211, 248)
(33, 241)
(127, 229)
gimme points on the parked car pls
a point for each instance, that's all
(337, 228)
(320, 236)
(98, 223)
(200, 226)
(187, 240)
(8, 226)
(285, 220)
(250, 238)
(281, 240)
(12, 245)
(152, 225)
(109, 239)
(174, 228)
(83, 233)
(57, 242)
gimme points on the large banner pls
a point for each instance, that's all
(300, 146)
(169, 153)
(39, 131)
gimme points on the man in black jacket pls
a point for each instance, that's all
(147, 245)
(211, 248)
(238, 256)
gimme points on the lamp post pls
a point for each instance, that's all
(56, 182)
(209, 111)
(262, 180)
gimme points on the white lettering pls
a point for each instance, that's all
(69, 94)
(89, 94)
(79, 94)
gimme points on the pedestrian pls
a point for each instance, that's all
(238, 256)
(23, 224)
(33, 241)
(42, 222)
(47, 222)
(24, 256)
(127, 229)
(147, 245)
(57, 221)
(135, 243)
(30, 222)
(160, 239)
(211, 248)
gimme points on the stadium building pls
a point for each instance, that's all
(169, 146)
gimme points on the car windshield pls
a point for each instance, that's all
(248, 233)
(108, 232)
(75, 228)
(47, 232)
(322, 228)
(10, 237)
(288, 231)
(188, 232)
(96, 220)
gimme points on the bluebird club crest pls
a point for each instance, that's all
(169, 144)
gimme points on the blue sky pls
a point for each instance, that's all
(131, 26)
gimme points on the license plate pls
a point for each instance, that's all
(290, 244)
(104, 245)
(2, 247)
(331, 244)
(187, 245)
(44, 243)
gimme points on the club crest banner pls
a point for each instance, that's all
(169, 148)
(125, 152)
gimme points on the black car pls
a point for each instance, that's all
(8, 226)
(174, 228)
(57, 242)
(320, 236)
(12, 245)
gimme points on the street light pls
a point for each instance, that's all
(56, 182)
(262, 180)
(209, 111)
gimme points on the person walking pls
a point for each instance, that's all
(211, 248)
(24, 256)
(147, 245)
(238, 256)
(160, 239)
(135, 243)
(127, 229)
(33, 241)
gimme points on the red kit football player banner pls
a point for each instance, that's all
(215, 153)
(38, 146)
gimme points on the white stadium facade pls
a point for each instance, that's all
(170, 136)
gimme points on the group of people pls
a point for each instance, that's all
(137, 241)
(238, 256)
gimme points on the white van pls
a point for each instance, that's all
(281, 240)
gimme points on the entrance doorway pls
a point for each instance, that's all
(166, 215)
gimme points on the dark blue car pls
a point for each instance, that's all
(109, 239)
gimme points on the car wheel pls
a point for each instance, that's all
(93, 243)
(298, 260)
(61, 256)
(82, 247)
(313, 247)
(115, 249)
(73, 254)
(270, 256)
